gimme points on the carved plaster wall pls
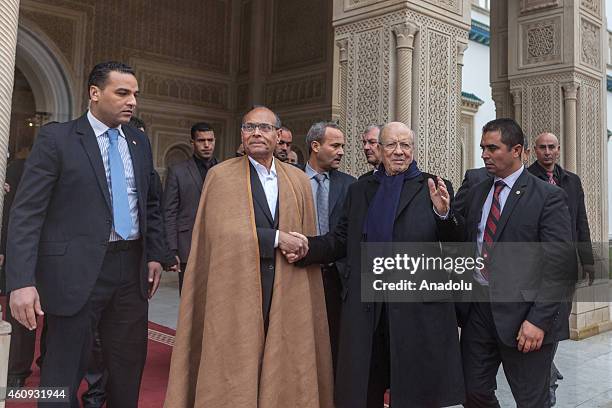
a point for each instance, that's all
(372, 79)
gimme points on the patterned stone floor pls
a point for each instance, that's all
(586, 365)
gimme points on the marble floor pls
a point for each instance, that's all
(586, 365)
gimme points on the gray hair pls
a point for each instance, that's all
(317, 132)
(372, 127)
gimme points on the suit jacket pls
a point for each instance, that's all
(535, 211)
(434, 321)
(266, 228)
(472, 177)
(572, 186)
(62, 217)
(184, 184)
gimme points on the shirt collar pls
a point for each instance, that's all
(261, 169)
(98, 127)
(311, 173)
(511, 179)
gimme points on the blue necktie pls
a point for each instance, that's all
(121, 205)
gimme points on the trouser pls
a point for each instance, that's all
(483, 351)
(119, 312)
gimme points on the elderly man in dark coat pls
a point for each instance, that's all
(410, 347)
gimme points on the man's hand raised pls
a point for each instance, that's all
(293, 245)
(439, 196)
(25, 306)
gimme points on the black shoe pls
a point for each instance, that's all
(15, 382)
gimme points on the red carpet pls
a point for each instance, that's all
(155, 377)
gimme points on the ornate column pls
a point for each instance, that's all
(517, 102)
(570, 97)
(9, 15)
(402, 65)
(343, 47)
(404, 35)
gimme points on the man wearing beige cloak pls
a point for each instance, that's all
(252, 329)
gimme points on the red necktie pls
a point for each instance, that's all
(551, 179)
(491, 226)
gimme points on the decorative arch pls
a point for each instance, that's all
(176, 153)
(48, 74)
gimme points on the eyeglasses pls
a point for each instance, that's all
(263, 127)
(390, 147)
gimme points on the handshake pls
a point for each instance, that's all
(293, 245)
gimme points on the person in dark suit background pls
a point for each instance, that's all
(329, 186)
(97, 261)
(184, 183)
(410, 347)
(548, 150)
(369, 140)
(514, 207)
(23, 341)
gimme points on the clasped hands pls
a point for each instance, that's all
(293, 245)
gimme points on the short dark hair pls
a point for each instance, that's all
(99, 73)
(200, 127)
(316, 133)
(511, 132)
(136, 122)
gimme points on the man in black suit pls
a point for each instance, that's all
(520, 289)
(471, 178)
(329, 186)
(410, 347)
(86, 234)
(182, 193)
(369, 140)
(547, 150)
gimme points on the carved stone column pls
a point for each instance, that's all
(517, 102)
(404, 35)
(343, 47)
(557, 75)
(570, 97)
(9, 15)
(402, 65)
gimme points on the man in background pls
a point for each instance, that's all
(369, 140)
(329, 187)
(184, 184)
(284, 144)
(548, 150)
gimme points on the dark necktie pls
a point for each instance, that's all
(322, 204)
(551, 179)
(121, 206)
(491, 226)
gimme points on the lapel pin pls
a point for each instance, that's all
(518, 192)
(133, 141)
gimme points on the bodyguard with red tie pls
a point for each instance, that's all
(515, 321)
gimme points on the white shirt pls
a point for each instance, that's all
(99, 130)
(503, 196)
(269, 182)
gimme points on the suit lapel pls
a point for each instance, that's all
(334, 191)
(259, 195)
(409, 190)
(481, 197)
(192, 167)
(90, 144)
(137, 165)
(518, 190)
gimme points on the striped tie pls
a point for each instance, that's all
(491, 226)
(551, 179)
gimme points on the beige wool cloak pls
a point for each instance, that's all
(221, 357)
